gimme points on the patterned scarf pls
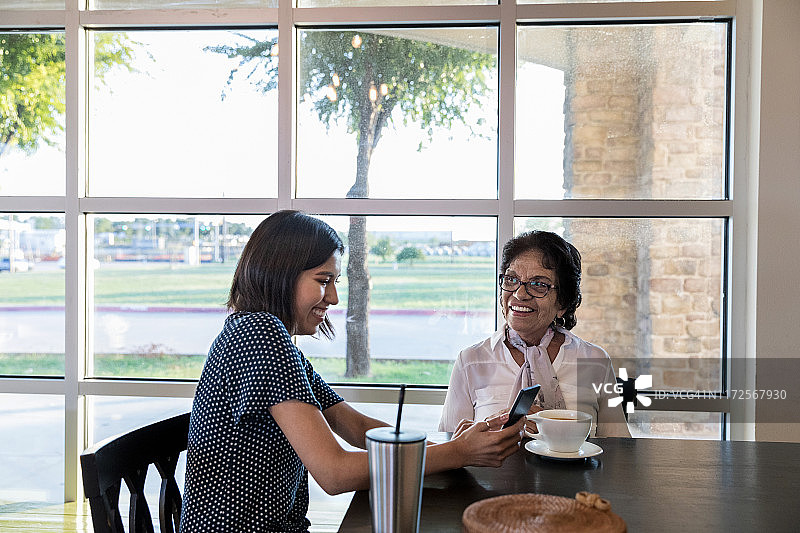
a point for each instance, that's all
(536, 369)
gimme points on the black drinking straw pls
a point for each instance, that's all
(400, 408)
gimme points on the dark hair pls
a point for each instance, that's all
(285, 244)
(557, 255)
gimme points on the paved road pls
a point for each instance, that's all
(393, 335)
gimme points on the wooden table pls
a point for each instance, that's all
(653, 484)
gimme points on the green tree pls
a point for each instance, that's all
(42, 222)
(382, 248)
(103, 225)
(32, 81)
(367, 80)
(409, 254)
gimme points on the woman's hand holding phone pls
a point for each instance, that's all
(478, 444)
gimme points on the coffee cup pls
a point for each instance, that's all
(562, 430)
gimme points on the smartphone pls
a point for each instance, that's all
(522, 404)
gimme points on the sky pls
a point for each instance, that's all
(166, 131)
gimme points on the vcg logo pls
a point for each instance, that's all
(627, 389)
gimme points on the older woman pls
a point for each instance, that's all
(540, 291)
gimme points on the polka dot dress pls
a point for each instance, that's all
(242, 474)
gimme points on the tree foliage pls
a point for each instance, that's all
(409, 254)
(366, 80)
(430, 83)
(32, 83)
(383, 248)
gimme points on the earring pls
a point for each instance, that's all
(559, 321)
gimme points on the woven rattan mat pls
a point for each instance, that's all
(542, 513)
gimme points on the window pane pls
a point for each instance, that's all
(178, 4)
(419, 417)
(32, 454)
(372, 98)
(675, 425)
(32, 96)
(428, 284)
(595, 1)
(32, 4)
(172, 118)
(160, 287)
(378, 3)
(652, 294)
(32, 294)
(112, 415)
(620, 111)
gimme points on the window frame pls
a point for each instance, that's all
(74, 19)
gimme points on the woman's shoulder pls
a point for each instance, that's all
(480, 352)
(256, 320)
(247, 331)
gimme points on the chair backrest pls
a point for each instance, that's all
(128, 457)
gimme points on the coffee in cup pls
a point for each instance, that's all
(562, 430)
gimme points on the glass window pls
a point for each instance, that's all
(594, 1)
(32, 454)
(675, 424)
(365, 3)
(371, 98)
(113, 415)
(32, 4)
(652, 294)
(178, 4)
(423, 291)
(173, 117)
(32, 294)
(32, 81)
(160, 287)
(622, 111)
(419, 417)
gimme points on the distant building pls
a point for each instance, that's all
(43, 243)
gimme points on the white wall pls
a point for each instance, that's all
(778, 232)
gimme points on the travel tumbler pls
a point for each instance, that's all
(396, 467)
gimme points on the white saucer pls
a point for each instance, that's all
(587, 449)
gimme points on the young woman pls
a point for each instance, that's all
(262, 418)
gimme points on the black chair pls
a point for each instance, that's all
(127, 457)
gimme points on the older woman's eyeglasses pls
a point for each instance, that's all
(536, 289)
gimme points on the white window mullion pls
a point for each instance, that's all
(179, 206)
(152, 18)
(287, 60)
(75, 285)
(603, 11)
(743, 240)
(506, 127)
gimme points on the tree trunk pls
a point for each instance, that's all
(373, 117)
(358, 363)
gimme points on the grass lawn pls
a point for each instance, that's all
(171, 366)
(433, 283)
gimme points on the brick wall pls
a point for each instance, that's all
(643, 112)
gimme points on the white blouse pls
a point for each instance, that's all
(484, 374)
